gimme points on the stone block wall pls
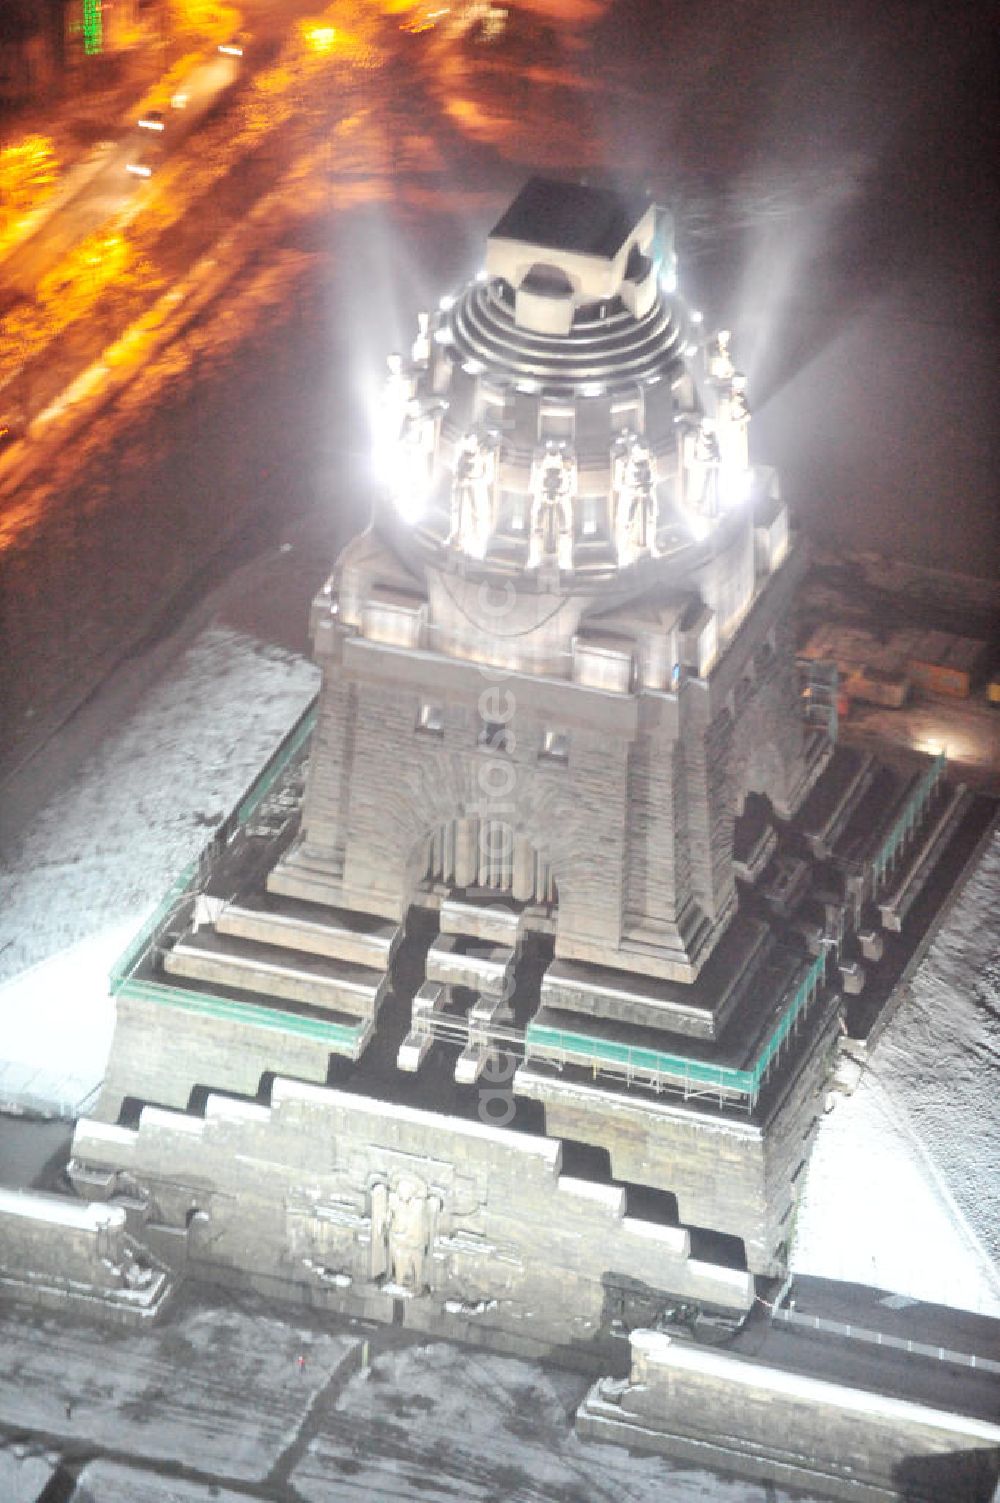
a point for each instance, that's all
(768, 740)
(51, 1237)
(636, 823)
(728, 1175)
(59, 1253)
(340, 1200)
(714, 1166)
(693, 1403)
(159, 1053)
(791, 1125)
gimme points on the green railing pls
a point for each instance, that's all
(343, 1037)
(187, 882)
(907, 820)
(804, 994)
(692, 1073)
(168, 905)
(276, 765)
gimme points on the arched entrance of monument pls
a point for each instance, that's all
(481, 860)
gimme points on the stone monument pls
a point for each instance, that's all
(505, 1001)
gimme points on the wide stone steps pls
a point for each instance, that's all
(281, 974)
(468, 961)
(358, 939)
(464, 1002)
(831, 804)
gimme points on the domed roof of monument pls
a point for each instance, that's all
(556, 413)
(571, 217)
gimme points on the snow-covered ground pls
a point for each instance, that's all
(503, 1429)
(102, 852)
(228, 1403)
(901, 1191)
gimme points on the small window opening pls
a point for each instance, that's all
(431, 719)
(555, 745)
(496, 736)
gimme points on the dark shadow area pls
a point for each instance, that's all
(61, 1488)
(33, 1152)
(130, 1111)
(648, 1204)
(586, 1161)
(961, 1477)
(708, 1246)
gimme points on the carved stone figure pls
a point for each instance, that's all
(409, 471)
(720, 361)
(397, 393)
(700, 453)
(633, 479)
(409, 1233)
(421, 349)
(553, 491)
(473, 495)
(733, 424)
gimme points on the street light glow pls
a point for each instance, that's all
(321, 38)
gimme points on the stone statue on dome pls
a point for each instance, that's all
(553, 492)
(700, 468)
(633, 503)
(474, 495)
(733, 425)
(421, 349)
(720, 361)
(397, 394)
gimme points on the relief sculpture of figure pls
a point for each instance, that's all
(410, 1227)
(553, 490)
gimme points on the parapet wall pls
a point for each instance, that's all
(161, 1051)
(58, 1238)
(729, 1175)
(341, 1201)
(56, 1252)
(693, 1403)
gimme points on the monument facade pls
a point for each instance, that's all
(505, 1002)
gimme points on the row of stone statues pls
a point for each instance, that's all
(713, 465)
(553, 490)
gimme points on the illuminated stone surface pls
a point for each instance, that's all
(516, 911)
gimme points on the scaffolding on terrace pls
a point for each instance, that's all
(820, 685)
(907, 822)
(692, 1077)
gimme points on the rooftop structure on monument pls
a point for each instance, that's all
(541, 919)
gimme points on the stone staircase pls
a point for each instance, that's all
(290, 951)
(464, 1001)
